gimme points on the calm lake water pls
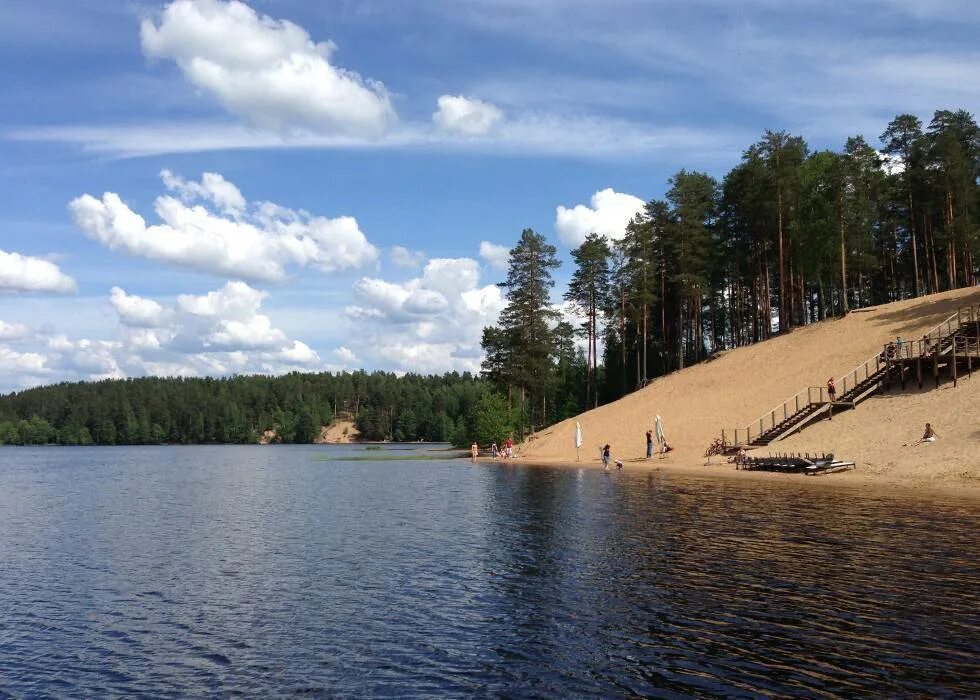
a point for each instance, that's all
(188, 571)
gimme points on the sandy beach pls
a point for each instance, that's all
(697, 403)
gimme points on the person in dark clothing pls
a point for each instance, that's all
(649, 444)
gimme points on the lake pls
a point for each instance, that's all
(188, 571)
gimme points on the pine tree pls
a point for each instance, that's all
(527, 320)
(586, 289)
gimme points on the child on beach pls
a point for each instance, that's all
(665, 447)
(928, 436)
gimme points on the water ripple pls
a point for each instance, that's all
(250, 571)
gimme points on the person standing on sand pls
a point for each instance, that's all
(649, 444)
(509, 448)
(831, 390)
(494, 451)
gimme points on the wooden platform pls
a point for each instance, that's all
(810, 465)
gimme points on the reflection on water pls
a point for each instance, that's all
(204, 570)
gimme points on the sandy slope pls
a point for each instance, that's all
(341, 431)
(737, 387)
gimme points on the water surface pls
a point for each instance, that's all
(219, 570)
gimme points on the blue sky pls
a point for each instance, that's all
(206, 187)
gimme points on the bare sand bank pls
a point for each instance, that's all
(740, 385)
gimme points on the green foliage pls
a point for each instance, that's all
(493, 420)
(238, 409)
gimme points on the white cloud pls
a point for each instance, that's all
(217, 333)
(13, 331)
(23, 273)
(345, 355)
(497, 256)
(15, 363)
(266, 70)
(137, 311)
(431, 323)
(228, 320)
(608, 215)
(213, 187)
(530, 134)
(466, 116)
(403, 257)
(256, 242)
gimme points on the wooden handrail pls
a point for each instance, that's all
(841, 383)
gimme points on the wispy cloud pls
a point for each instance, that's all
(539, 134)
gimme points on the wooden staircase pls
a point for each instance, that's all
(953, 344)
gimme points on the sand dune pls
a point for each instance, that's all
(737, 387)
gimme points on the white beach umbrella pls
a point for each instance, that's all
(578, 438)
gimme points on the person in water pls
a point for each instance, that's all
(474, 450)
(494, 451)
(649, 444)
(605, 456)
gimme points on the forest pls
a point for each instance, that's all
(789, 236)
(152, 410)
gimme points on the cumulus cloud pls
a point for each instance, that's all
(345, 355)
(220, 332)
(466, 116)
(497, 256)
(431, 323)
(13, 331)
(137, 311)
(23, 273)
(608, 214)
(30, 363)
(254, 242)
(403, 257)
(213, 187)
(266, 70)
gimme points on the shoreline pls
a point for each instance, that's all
(864, 483)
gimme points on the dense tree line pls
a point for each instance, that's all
(789, 236)
(154, 410)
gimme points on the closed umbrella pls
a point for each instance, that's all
(659, 428)
(578, 438)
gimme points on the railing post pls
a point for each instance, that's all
(954, 363)
(797, 397)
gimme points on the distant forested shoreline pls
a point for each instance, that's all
(239, 409)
